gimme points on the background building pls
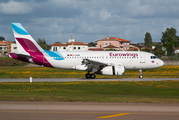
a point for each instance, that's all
(5, 48)
(114, 43)
(71, 45)
(14, 48)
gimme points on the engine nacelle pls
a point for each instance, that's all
(80, 67)
(113, 70)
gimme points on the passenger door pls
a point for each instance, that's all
(142, 58)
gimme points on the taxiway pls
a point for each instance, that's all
(81, 79)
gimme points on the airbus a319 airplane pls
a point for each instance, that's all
(102, 62)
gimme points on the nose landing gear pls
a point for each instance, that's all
(140, 74)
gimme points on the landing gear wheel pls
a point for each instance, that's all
(140, 76)
(92, 76)
(88, 76)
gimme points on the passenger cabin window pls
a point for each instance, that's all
(153, 57)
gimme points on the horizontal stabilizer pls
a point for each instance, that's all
(25, 55)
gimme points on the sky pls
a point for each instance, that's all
(89, 20)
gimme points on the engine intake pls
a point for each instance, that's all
(113, 70)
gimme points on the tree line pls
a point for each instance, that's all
(169, 40)
(2, 38)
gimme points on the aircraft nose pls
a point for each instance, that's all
(161, 63)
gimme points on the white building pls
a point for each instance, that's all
(14, 48)
(5, 48)
(176, 51)
(71, 45)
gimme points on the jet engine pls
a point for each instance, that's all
(113, 70)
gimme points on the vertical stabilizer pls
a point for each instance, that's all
(28, 49)
(25, 43)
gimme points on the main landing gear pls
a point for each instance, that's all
(140, 74)
(92, 76)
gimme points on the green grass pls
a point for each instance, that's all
(7, 62)
(115, 91)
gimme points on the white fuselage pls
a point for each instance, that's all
(129, 59)
(102, 62)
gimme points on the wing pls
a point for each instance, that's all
(96, 64)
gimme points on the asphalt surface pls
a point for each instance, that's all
(82, 79)
(87, 111)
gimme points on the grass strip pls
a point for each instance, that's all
(93, 91)
(6, 61)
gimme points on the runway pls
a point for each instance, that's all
(87, 111)
(81, 79)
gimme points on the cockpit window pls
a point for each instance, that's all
(153, 57)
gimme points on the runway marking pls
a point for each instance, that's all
(115, 115)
